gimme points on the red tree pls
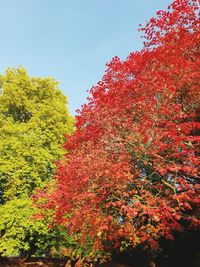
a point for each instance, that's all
(132, 173)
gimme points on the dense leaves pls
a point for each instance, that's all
(33, 120)
(132, 174)
(19, 230)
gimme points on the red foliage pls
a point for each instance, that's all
(132, 172)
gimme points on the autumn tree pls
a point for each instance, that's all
(33, 120)
(132, 174)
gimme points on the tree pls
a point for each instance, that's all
(131, 175)
(33, 120)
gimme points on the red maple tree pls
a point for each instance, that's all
(132, 172)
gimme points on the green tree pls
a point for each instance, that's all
(33, 120)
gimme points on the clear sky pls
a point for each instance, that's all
(71, 40)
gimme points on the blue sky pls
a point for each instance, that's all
(71, 40)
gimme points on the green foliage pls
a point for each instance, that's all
(24, 234)
(33, 121)
(19, 228)
(75, 250)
